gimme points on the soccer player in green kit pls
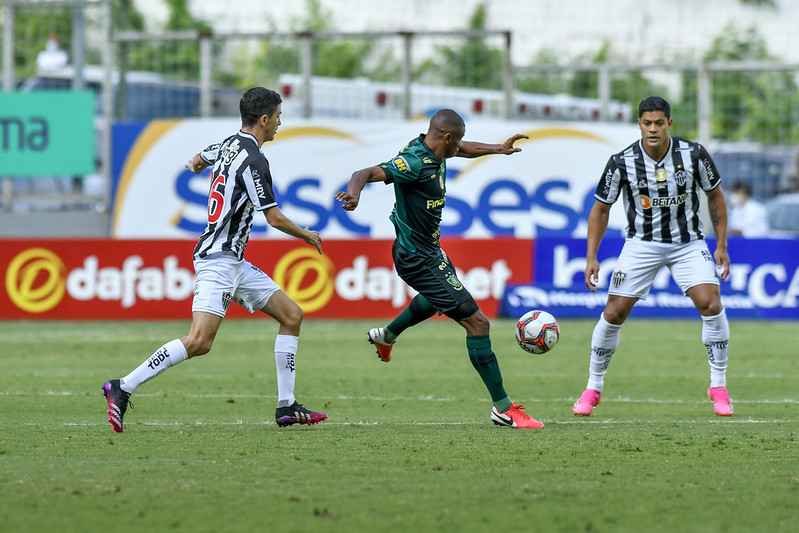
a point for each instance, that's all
(418, 174)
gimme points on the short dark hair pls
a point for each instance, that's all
(654, 103)
(447, 121)
(257, 102)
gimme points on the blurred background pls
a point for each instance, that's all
(92, 91)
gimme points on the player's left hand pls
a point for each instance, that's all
(722, 263)
(507, 147)
(313, 238)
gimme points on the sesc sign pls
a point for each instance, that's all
(46, 133)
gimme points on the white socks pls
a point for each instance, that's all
(285, 351)
(716, 336)
(174, 352)
(604, 342)
(167, 355)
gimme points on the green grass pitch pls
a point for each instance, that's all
(408, 445)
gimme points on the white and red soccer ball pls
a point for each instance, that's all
(537, 331)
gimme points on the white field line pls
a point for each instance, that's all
(427, 398)
(583, 421)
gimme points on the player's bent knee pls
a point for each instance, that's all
(292, 317)
(196, 347)
(711, 308)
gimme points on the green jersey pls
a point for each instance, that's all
(419, 179)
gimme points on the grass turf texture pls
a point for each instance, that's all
(408, 445)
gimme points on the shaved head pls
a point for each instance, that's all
(447, 121)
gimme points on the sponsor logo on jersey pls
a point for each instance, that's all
(428, 161)
(434, 204)
(711, 176)
(665, 201)
(608, 180)
(259, 187)
(231, 151)
(401, 164)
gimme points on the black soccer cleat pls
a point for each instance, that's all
(118, 401)
(297, 414)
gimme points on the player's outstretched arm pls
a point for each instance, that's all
(279, 221)
(197, 164)
(471, 149)
(349, 199)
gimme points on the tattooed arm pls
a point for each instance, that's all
(717, 208)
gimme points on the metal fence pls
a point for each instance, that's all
(735, 107)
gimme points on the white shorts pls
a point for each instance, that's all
(225, 279)
(639, 262)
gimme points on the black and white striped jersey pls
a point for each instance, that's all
(661, 198)
(240, 185)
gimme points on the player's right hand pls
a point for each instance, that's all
(349, 201)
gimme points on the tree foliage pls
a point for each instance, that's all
(748, 105)
(472, 64)
(333, 57)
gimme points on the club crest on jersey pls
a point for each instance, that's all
(680, 176)
(227, 299)
(454, 281)
(618, 278)
(401, 164)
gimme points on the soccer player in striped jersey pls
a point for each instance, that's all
(241, 185)
(660, 178)
(418, 174)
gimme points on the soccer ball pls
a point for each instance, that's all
(537, 331)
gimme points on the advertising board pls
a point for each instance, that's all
(154, 279)
(46, 133)
(547, 188)
(763, 282)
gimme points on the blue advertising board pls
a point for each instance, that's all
(763, 282)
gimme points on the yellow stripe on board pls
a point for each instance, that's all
(154, 131)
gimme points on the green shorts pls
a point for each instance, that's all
(434, 277)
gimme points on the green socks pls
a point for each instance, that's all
(485, 362)
(419, 310)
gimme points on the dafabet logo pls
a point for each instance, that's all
(36, 280)
(307, 278)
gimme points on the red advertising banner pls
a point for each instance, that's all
(94, 279)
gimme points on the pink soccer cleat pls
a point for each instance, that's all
(721, 400)
(588, 400)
